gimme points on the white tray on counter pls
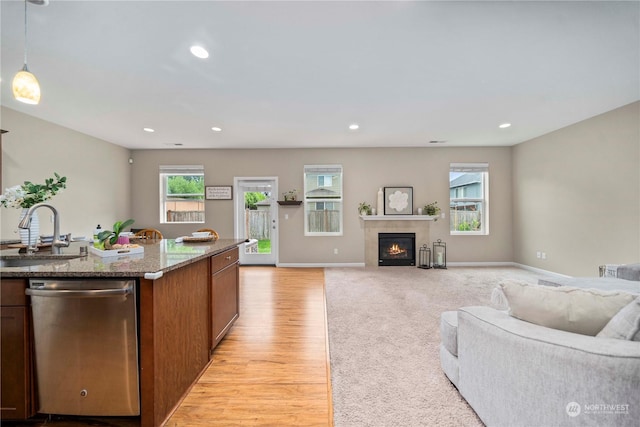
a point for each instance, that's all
(116, 252)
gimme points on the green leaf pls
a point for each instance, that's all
(104, 235)
(119, 226)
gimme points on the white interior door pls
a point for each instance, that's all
(256, 219)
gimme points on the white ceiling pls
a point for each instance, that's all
(296, 74)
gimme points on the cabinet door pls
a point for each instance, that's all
(15, 364)
(224, 301)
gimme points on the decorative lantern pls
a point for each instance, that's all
(424, 257)
(439, 254)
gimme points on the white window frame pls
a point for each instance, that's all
(173, 170)
(337, 200)
(483, 169)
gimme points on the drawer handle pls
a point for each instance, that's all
(228, 258)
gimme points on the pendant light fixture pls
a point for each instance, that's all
(25, 85)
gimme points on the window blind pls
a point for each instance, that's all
(469, 167)
(322, 169)
(181, 169)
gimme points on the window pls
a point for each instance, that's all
(325, 180)
(323, 200)
(181, 194)
(469, 198)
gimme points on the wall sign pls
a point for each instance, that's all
(218, 192)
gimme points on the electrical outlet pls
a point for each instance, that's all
(286, 216)
(538, 254)
(442, 215)
(544, 255)
(335, 251)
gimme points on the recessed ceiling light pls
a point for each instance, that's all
(216, 129)
(354, 126)
(436, 141)
(199, 51)
(148, 130)
(504, 125)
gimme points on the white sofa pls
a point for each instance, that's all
(623, 277)
(515, 373)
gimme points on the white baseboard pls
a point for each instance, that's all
(450, 264)
(320, 265)
(482, 264)
(539, 270)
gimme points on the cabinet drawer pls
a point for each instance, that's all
(12, 292)
(220, 261)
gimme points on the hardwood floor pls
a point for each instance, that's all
(273, 366)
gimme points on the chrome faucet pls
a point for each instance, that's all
(57, 243)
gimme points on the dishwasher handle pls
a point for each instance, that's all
(90, 293)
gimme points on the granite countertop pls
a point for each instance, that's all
(158, 257)
(9, 241)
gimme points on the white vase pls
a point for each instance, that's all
(34, 227)
(380, 202)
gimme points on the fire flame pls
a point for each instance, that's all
(396, 250)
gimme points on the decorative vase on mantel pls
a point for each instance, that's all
(34, 228)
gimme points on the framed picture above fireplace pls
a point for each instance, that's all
(398, 200)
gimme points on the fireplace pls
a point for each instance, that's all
(396, 249)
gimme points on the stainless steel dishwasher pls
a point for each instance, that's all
(86, 346)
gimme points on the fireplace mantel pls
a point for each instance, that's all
(398, 218)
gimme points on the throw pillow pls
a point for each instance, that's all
(625, 325)
(499, 299)
(583, 311)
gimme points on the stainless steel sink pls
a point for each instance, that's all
(31, 260)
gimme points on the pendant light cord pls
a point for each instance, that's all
(25, 33)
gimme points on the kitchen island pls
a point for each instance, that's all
(187, 301)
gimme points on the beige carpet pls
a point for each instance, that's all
(384, 337)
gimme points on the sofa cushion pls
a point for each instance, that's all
(449, 331)
(583, 311)
(450, 365)
(625, 325)
(629, 272)
(602, 283)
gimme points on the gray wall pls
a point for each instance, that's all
(365, 170)
(577, 195)
(574, 193)
(98, 174)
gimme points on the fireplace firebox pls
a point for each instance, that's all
(396, 249)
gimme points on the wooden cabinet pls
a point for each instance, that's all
(225, 281)
(16, 372)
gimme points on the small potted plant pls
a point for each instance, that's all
(110, 238)
(290, 196)
(364, 208)
(432, 209)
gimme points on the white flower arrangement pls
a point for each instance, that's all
(29, 194)
(13, 197)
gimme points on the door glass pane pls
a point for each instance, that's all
(257, 221)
